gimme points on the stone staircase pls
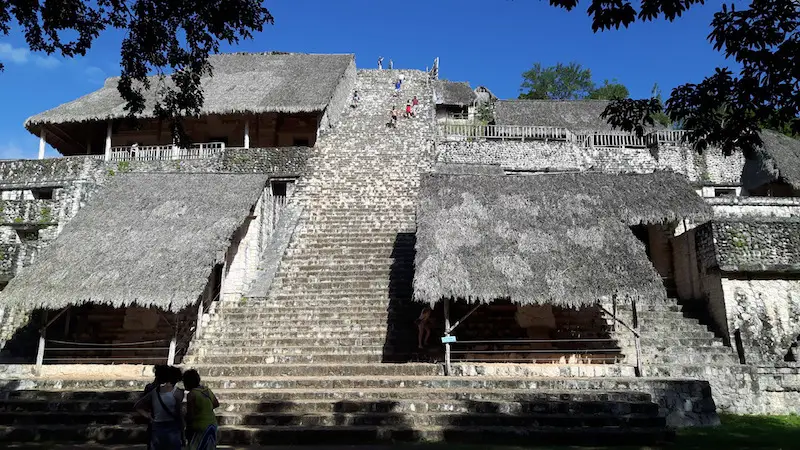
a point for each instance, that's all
(324, 357)
(337, 294)
(676, 343)
(352, 410)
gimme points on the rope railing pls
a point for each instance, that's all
(104, 352)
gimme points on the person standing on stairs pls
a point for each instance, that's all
(409, 111)
(159, 373)
(391, 64)
(397, 85)
(393, 113)
(162, 406)
(380, 62)
(415, 105)
(201, 422)
(356, 99)
(424, 326)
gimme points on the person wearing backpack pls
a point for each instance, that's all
(162, 406)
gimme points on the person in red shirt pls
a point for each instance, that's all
(414, 105)
(409, 113)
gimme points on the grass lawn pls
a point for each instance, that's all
(741, 432)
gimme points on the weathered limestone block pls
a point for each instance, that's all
(767, 314)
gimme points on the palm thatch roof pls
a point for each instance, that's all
(484, 95)
(450, 93)
(144, 239)
(560, 239)
(241, 83)
(580, 116)
(780, 157)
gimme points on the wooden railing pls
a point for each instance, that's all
(618, 140)
(670, 136)
(166, 152)
(599, 139)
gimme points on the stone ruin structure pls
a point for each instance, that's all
(585, 283)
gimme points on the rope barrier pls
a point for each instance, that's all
(88, 344)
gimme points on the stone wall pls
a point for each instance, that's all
(766, 312)
(740, 207)
(709, 168)
(341, 98)
(771, 245)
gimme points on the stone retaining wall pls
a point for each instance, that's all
(709, 168)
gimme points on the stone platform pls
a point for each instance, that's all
(409, 403)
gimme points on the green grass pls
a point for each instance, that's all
(743, 432)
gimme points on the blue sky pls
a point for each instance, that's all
(484, 42)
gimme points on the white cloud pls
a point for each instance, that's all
(11, 150)
(95, 75)
(47, 62)
(20, 55)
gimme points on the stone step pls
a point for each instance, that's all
(468, 417)
(362, 357)
(304, 333)
(291, 325)
(326, 399)
(692, 356)
(310, 315)
(111, 434)
(673, 343)
(22, 411)
(246, 344)
(209, 351)
(335, 369)
(283, 301)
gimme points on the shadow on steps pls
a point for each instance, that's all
(400, 343)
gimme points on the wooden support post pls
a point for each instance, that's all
(247, 133)
(637, 340)
(199, 327)
(42, 143)
(108, 142)
(447, 334)
(40, 350)
(172, 344)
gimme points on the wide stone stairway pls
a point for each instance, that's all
(326, 355)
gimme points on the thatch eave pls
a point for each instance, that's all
(148, 240)
(561, 239)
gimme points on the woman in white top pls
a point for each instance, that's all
(162, 406)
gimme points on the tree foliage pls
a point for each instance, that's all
(610, 90)
(567, 82)
(160, 36)
(559, 82)
(726, 109)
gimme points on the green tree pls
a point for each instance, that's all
(610, 90)
(659, 117)
(160, 36)
(723, 110)
(560, 82)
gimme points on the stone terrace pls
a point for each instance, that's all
(310, 359)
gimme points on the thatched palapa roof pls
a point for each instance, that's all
(450, 93)
(241, 83)
(561, 239)
(144, 239)
(780, 157)
(580, 116)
